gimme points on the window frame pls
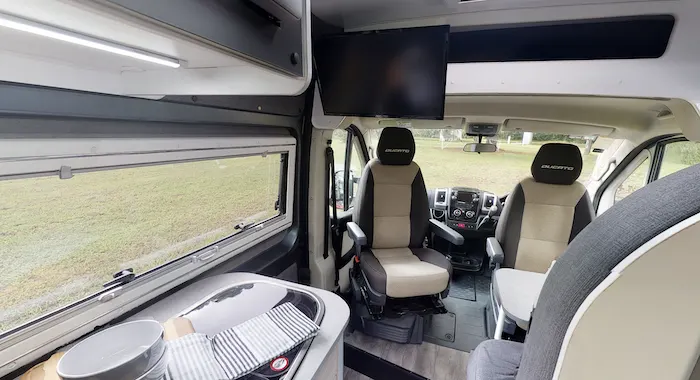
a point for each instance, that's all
(652, 149)
(655, 169)
(29, 158)
(356, 143)
(353, 139)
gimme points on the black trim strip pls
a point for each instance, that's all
(376, 367)
(27, 100)
(361, 138)
(628, 37)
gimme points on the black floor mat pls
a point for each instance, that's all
(463, 286)
(469, 325)
(441, 326)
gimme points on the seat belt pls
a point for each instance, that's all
(332, 227)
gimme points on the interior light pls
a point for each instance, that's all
(20, 24)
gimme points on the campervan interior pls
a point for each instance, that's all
(349, 189)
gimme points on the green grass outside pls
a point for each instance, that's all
(60, 240)
(445, 165)
(496, 172)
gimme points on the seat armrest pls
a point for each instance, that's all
(495, 251)
(356, 234)
(447, 233)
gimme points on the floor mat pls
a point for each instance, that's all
(463, 286)
(441, 326)
(470, 317)
(470, 325)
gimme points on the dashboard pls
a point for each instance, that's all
(464, 209)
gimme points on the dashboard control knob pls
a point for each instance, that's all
(457, 212)
(469, 214)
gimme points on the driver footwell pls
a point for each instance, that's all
(447, 338)
(464, 326)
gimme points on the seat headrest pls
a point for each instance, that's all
(396, 146)
(557, 164)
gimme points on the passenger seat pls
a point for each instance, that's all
(544, 213)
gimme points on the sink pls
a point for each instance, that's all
(239, 302)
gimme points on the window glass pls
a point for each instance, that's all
(66, 237)
(339, 144)
(356, 167)
(443, 162)
(679, 155)
(634, 182)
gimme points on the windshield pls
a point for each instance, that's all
(443, 163)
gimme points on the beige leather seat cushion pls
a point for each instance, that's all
(407, 276)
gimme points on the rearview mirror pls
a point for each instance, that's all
(480, 148)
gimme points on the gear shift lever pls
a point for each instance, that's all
(492, 210)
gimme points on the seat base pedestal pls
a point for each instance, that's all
(394, 307)
(405, 329)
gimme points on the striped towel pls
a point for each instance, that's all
(192, 357)
(240, 350)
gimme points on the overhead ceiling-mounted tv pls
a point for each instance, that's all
(387, 73)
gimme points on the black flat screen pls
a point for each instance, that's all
(389, 73)
(464, 197)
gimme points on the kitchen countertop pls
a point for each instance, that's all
(332, 325)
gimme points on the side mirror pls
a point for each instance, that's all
(340, 188)
(480, 148)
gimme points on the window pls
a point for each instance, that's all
(340, 140)
(169, 208)
(635, 181)
(66, 237)
(443, 162)
(356, 166)
(679, 155)
(339, 145)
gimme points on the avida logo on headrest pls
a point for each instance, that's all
(397, 150)
(557, 167)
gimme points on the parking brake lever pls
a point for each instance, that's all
(492, 210)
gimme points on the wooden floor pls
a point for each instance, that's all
(426, 359)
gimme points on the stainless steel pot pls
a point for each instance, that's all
(132, 350)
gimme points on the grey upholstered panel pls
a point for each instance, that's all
(420, 211)
(509, 225)
(494, 360)
(373, 270)
(594, 253)
(583, 215)
(363, 213)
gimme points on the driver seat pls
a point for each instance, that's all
(390, 223)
